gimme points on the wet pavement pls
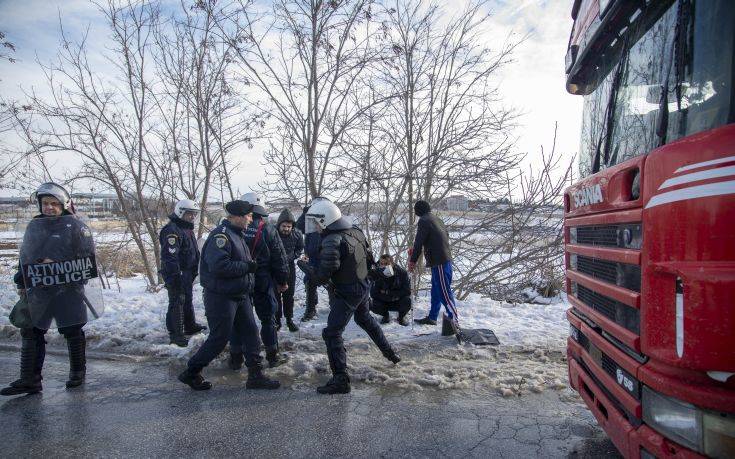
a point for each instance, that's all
(139, 409)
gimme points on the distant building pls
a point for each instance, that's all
(457, 203)
(95, 205)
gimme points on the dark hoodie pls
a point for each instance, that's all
(294, 242)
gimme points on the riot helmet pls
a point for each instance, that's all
(257, 201)
(186, 205)
(323, 212)
(55, 190)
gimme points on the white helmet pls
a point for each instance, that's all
(55, 190)
(257, 201)
(324, 212)
(186, 205)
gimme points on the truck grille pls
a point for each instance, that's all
(620, 313)
(601, 269)
(608, 365)
(621, 274)
(606, 235)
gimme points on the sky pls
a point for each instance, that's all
(533, 83)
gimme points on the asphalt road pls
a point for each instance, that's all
(139, 409)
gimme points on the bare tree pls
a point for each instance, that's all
(104, 120)
(205, 117)
(306, 57)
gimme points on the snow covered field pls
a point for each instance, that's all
(530, 357)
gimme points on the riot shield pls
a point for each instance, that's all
(59, 272)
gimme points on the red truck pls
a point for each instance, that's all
(650, 226)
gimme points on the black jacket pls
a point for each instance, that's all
(433, 240)
(293, 244)
(179, 251)
(390, 289)
(269, 251)
(226, 267)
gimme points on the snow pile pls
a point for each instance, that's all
(531, 356)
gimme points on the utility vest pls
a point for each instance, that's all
(354, 257)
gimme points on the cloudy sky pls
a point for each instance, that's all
(534, 83)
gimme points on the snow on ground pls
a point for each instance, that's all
(531, 356)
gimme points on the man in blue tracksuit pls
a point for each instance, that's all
(271, 275)
(226, 273)
(179, 269)
(432, 239)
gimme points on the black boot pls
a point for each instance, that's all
(403, 320)
(450, 328)
(385, 319)
(425, 321)
(195, 329)
(338, 384)
(391, 355)
(273, 357)
(176, 333)
(235, 361)
(278, 324)
(30, 375)
(292, 327)
(257, 380)
(447, 326)
(309, 314)
(77, 360)
(195, 380)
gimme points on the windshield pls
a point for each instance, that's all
(674, 79)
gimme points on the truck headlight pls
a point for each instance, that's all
(706, 432)
(677, 420)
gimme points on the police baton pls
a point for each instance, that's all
(89, 305)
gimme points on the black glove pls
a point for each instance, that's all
(305, 267)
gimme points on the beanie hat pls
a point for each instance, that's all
(238, 208)
(421, 208)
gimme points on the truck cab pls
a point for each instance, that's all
(650, 226)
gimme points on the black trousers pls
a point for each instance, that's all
(344, 302)
(285, 299)
(382, 307)
(312, 298)
(37, 334)
(225, 314)
(181, 297)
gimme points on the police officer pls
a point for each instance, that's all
(312, 241)
(267, 250)
(226, 275)
(179, 268)
(345, 258)
(54, 235)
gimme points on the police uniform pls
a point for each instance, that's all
(268, 252)
(344, 261)
(179, 269)
(226, 274)
(55, 238)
